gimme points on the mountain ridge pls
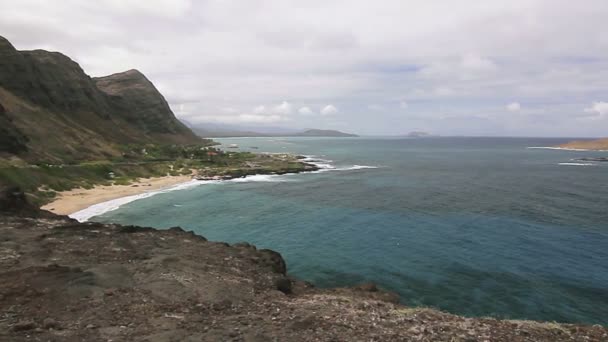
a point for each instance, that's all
(42, 92)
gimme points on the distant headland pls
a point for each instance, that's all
(595, 145)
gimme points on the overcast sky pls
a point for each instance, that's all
(452, 67)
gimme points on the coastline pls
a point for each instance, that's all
(565, 149)
(75, 200)
(82, 204)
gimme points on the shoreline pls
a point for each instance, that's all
(75, 200)
(82, 204)
(565, 149)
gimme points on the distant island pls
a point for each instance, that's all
(598, 144)
(418, 134)
(221, 133)
(323, 133)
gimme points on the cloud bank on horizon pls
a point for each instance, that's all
(519, 67)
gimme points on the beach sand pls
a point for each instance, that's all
(69, 202)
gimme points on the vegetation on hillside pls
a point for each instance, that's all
(43, 180)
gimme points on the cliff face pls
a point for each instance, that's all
(50, 80)
(52, 110)
(61, 280)
(141, 104)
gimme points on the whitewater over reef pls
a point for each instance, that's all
(474, 226)
(563, 148)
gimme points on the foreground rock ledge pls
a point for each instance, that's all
(61, 280)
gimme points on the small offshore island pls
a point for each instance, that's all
(65, 136)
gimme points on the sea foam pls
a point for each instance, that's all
(326, 165)
(577, 164)
(564, 149)
(104, 207)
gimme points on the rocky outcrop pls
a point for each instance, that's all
(61, 280)
(12, 140)
(14, 202)
(42, 92)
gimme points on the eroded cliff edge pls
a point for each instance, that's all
(61, 280)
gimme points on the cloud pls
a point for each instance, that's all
(305, 111)
(207, 55)
(375, 107)
(254, 118)
(477, 63)
(259, 110)
(513, 107)
(329, 110)
(403, 105)
(600, 108)
(229, 110)
(284, 108)
(171, 8)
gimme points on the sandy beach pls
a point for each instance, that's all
(69, 202)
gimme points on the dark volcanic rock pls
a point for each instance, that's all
(61, 280)
(12, 140)
(14, 202)
(274, 260)
(595, 159)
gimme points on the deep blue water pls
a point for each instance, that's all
(473, 226)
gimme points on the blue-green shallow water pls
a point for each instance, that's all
(473, 226)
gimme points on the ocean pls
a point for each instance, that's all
(472, 226)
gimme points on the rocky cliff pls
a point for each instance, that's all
(140, 103)
(61, 280)
(51, 109)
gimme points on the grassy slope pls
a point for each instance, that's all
(42, 181)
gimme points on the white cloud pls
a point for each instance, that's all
(305, 111)
(171, 8)
(443, 91)
(375, 107)
(237, 54)
(477, 63)
(329, 110)
(259, 110)
(598, 108)
(229, 110)
(284, 108)
(513, 107)
(253, 118)
(403, 105)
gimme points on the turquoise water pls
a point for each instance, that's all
(473, 226)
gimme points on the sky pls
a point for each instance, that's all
(382, 67)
